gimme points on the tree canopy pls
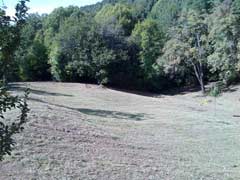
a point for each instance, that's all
(137, 44)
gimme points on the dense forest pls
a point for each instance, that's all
(135, 44)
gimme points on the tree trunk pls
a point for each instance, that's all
(199, 74)
(198, 68)
(202, 86)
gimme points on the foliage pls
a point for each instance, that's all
(201, 6)
(9, 41)
(150, 40)
(188, 47)
(9, 37)
(53, 22)
(32, 55)
(81, 53)
(116, 19)
(216, 89)
(137, 44)
(7, 130)
(224, 36)
(34, 65)
(166, 12)
(142, 8)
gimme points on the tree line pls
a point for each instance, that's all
(135, 44)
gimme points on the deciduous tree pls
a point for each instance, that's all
(188, 46)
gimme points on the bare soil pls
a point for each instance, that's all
(78, 131)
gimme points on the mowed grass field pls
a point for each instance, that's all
(78, 131)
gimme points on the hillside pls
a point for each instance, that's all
(151, 50)
(78, 131)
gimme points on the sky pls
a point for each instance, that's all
(45, 6)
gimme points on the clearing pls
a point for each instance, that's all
(78, 131)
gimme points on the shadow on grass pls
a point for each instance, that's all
(169, 92)
(231, 89)
(181, 91)
(99, 112)
(15, 87)
(136, 92)
(110, 114)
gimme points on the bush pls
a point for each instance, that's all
(7, 130)
(216, 89)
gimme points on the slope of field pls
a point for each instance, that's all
(78, 131)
